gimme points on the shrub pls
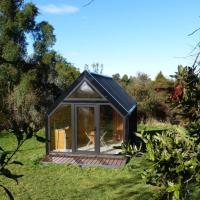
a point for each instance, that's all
(175, 160)
(131, 150)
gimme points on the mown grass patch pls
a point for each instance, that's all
(59, 181)
(66, 182)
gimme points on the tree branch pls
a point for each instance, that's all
(88, 3)
(14, 152)
(194, 32)
(195, 61)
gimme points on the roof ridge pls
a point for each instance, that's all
(96, 74)
(109, 93)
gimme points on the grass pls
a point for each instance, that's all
(154, 126)
(59, 181)
(65, 182)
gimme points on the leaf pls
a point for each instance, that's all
(16, 162)
(1, 149)
(173, 187)
(176, 194)
(7, 173)
(19, 137)
(3, 157)
(7, 192)
(40, 139)
(29, 133)
(150, 151)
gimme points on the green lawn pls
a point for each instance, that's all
(58, 181)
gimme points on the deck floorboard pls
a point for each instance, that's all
(85, 160)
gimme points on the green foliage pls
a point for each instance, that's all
(124, 80)
(194, 130)
(28, 83)
(66, 73)
(44, 38)
(23, 102)
(151, 95)
(131, 150)
(50, 72)
(53, 181)
(162, 82)
(150, 104)
(22, 133)
(116, 77)
(176, 163)
(186, 98)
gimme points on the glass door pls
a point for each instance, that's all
(85, 128)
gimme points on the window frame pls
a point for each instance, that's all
(85, 99)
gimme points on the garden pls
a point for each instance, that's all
(163, 154)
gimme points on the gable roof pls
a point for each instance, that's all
(115, 93)
(108, 87)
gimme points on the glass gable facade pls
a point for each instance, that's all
(87, 120)
(84, 91)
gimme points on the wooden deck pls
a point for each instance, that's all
(108, 161)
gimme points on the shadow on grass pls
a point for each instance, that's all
(131, 188)
(30, 149)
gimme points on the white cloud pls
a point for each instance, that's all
(54, 9)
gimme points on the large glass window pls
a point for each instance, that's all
(111, 130)
(84, 91)
(60, 129)
(85, 128)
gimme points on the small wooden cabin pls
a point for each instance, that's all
(94, 116)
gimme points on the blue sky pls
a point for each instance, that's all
(126, 36)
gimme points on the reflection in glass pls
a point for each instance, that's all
(84, 91)
(60, 129)
(111, 130)
(85, 128)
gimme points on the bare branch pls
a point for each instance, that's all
(87, 4)
(195, 61)
(194, 32)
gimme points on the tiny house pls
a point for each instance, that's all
(94, 116)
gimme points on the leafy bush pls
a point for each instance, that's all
(150, 104)
(131, 149)
(194, 129)
(186, 98)
(175, 160)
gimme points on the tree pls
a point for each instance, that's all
(17, 20)
(116, 77)
(66, 73)
(28, 83)
(150, 105)
(96, 67)
(175, 154)
(186, 98)
(124, 80)
(175, 162)
(160, 77)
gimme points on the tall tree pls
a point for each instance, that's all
(186, 98)
(116, 77)
(17, 22)
(28, 84)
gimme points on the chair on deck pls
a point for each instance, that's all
(90, 137)
(102, 142)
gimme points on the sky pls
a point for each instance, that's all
(126, 36)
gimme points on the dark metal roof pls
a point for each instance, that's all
(115, 93)
(109, 88)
